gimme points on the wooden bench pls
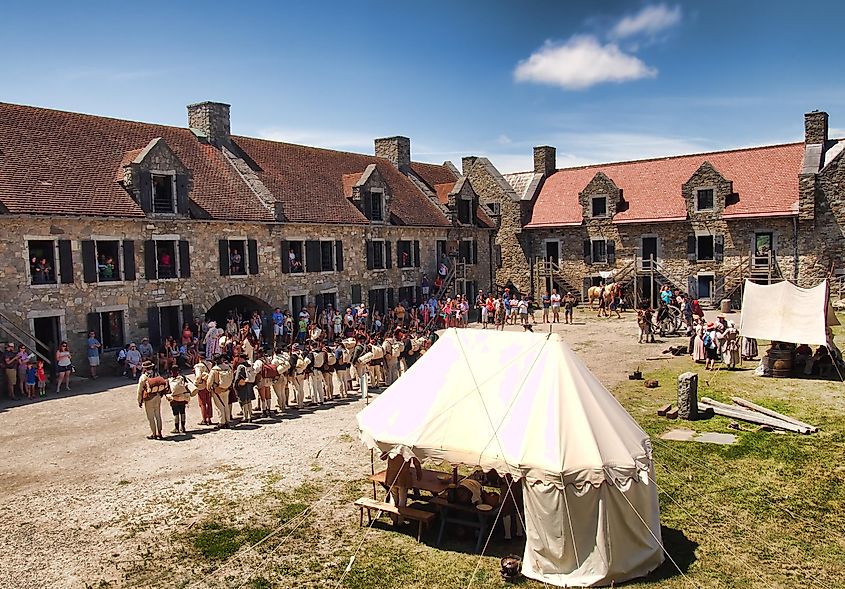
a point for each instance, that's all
(423, 518)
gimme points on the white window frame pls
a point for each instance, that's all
(179, 308)
(712, 236)
(244, 256)
(122, 273)
(56, 262)
(494, 208)
(695, 196)
(380, 192)
(413, 263)
(114, 309)
(593, 208)
(175, 199)
(334, 256)
(383, 254)
(291, 295)
(302, 253)
(31, 316)
(176, 260)
(593, 240)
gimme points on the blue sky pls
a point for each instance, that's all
(601, 81)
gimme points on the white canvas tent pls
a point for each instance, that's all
(524, 404)
(784, 312)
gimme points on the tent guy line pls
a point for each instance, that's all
(692, 517)
(501, 450)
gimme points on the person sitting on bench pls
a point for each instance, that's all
(399, 479)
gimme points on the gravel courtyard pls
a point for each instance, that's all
(85, 492)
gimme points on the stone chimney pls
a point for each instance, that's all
(545, 160)
(396, 149)
(210, 119)
(815, 127)
(467, 163)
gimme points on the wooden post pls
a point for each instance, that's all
(651, 267)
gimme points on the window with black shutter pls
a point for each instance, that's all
(150, 261)
(378, 255)
(404, 254)
(376, 205)
(184, 259)
(705, 249)
(588, 251)
(89, 261)
(129, 260)
(252, 256)
(154, 326)
(692, 247)
(162, 259)
(611, 252)
(474, 251)
(718, 247)
(416, 253)
(338, 251)
(464, 211)
(312, 256)
(108, 325)
(327, 261)
(356, 294)
(388, 258)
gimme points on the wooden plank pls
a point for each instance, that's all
(673, 414)
(750, 416)
(664, 410)
(773, 413)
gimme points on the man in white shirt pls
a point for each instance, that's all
(555, 300)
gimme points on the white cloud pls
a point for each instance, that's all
(649, 21)
(320, 138)
(503, 139)
(581, 62)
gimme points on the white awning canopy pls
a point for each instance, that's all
(784, 312)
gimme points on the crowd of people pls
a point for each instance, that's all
(236, 369)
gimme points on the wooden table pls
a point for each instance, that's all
(464, 515)
(430, 481)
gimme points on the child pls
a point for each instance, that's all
(179, 395)
(41, 377)
(31, 377)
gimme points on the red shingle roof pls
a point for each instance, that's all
(765, 178)
(443, 191)
(310, 184)
(61, 163)
(433, 174)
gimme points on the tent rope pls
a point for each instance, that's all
(660, 543)
(499, 442)
(774, 502)
(716, 536)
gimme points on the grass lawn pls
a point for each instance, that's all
(766, 512)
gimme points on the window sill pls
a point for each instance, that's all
(327, 271)
(378, 269)
(110, 283)
(239, 276)
(175, 278)
(44, 286)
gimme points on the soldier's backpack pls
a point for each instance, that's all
(155, 385)
(223, 378)
(269, 371)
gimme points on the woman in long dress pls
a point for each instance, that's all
(212, 340)
(698, 352)
(749, 348)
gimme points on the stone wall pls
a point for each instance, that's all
(509, 240)
(205, 287)
(822, 239)
(671, 250)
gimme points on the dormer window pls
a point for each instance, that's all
(494, 208)
(164, 193)
(464, 211)
(598, 206)
(704, 199)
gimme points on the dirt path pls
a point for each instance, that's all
(84, 490)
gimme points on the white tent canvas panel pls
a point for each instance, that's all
(525, 404)
(785, 312)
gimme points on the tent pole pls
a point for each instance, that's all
(373, 471)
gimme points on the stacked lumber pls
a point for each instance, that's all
(745, 410)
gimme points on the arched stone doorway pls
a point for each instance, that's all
(241, 305)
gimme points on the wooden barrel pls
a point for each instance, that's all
(780, 362)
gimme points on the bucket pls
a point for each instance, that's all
(780, 362)
(726, 306)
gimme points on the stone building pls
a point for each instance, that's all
(131, 228)
(702, 223)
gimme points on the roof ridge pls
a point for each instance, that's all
(91, 116)
(672, 157)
